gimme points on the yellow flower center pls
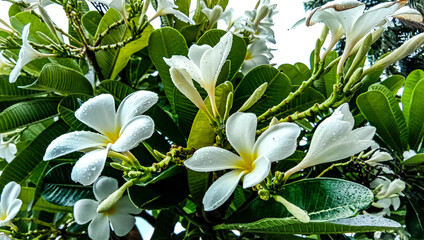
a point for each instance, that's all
(3, 216)
(110, 211)
(248, 56)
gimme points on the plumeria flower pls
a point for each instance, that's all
(378, 157)
(388, 195)
(165, 7)
(334, 139)
(348, 17)
(26, 55)
(257, 54)
(203, 65)
(253, 163)
(4, 236)
(9, 204)
(118, 217)
(120, 131)
(7, 149)
(215, 13)
(408, 154)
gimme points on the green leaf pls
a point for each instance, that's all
(67, 108)
(165, 190)
(60, 189)
(414, 160)
(416, 116)
(28, 160)
(322, 198)
(394, 83)
(57, 78)
(90, 22)
(238, 49)
(27, 197)
(281, 226)
(414, 217)
(305, 101)
(129, 49)
(11, 90)
(107, 58)
(25, 113)
(381, 109)
(279, 87)
(165, 223)
(164, 43)
(295, 75)
(411, 81)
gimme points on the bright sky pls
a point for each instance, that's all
(292, 46)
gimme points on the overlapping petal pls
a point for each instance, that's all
(125, 205)
(104, 187)
(196, 52)
(168, 7)
(241, 132)
(121, 223)
(181, 62)
(98, 229)
(85, 210)
(89, 167)
(261, 168)
(221, 190)
(210, 159)
(135, 131)
(134, 105)
(183, 82)
(74, 141)
(277, 142)
(99, 114)
(9, 193)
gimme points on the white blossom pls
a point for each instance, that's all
(120, 131)
(257, 54)
(388, 195)
(203, 65)
(165, 7)
(253, 163)
(347, 17)
(118, 217)
(408, 154)
(7, 149)
(9, 203)
(335, 139)
(215, 13)
(26, 55)
(378, 157)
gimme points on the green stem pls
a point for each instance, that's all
(36, 221)
(333, 166)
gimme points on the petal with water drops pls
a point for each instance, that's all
(134, 132)
(89, 167)
(134, 105)
(85, 210)
(208, 159)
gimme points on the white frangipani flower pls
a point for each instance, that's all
(9, 204)
(378, 157)
(408, 154)
(120, 131)
(388, 195)
(253, 163)
(215, 13)
(257, 54)
(334, 139)
(165, 7)
(4, 236)
(118, 217)
(7, 149)
(348, 17)
(203, 65)
(26, 55)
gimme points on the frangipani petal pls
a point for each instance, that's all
(181, 62)
(13, 209)
(277, 142)
(74, 141)
(126, 206)
(9, 193)
(241, 132)
(221, 190)
(85, 210)
(168, 7)
(345, 11)
(209, 159)
(104, 187)
(212, 61)
(297, 212)
(196, 52)
(261, 168)
(409, 14)
(182, 17)
(134, 105)
(121, 223)
(89, 167)
(99, 114)
(135, 131)
(98, 229)
(183, 82)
